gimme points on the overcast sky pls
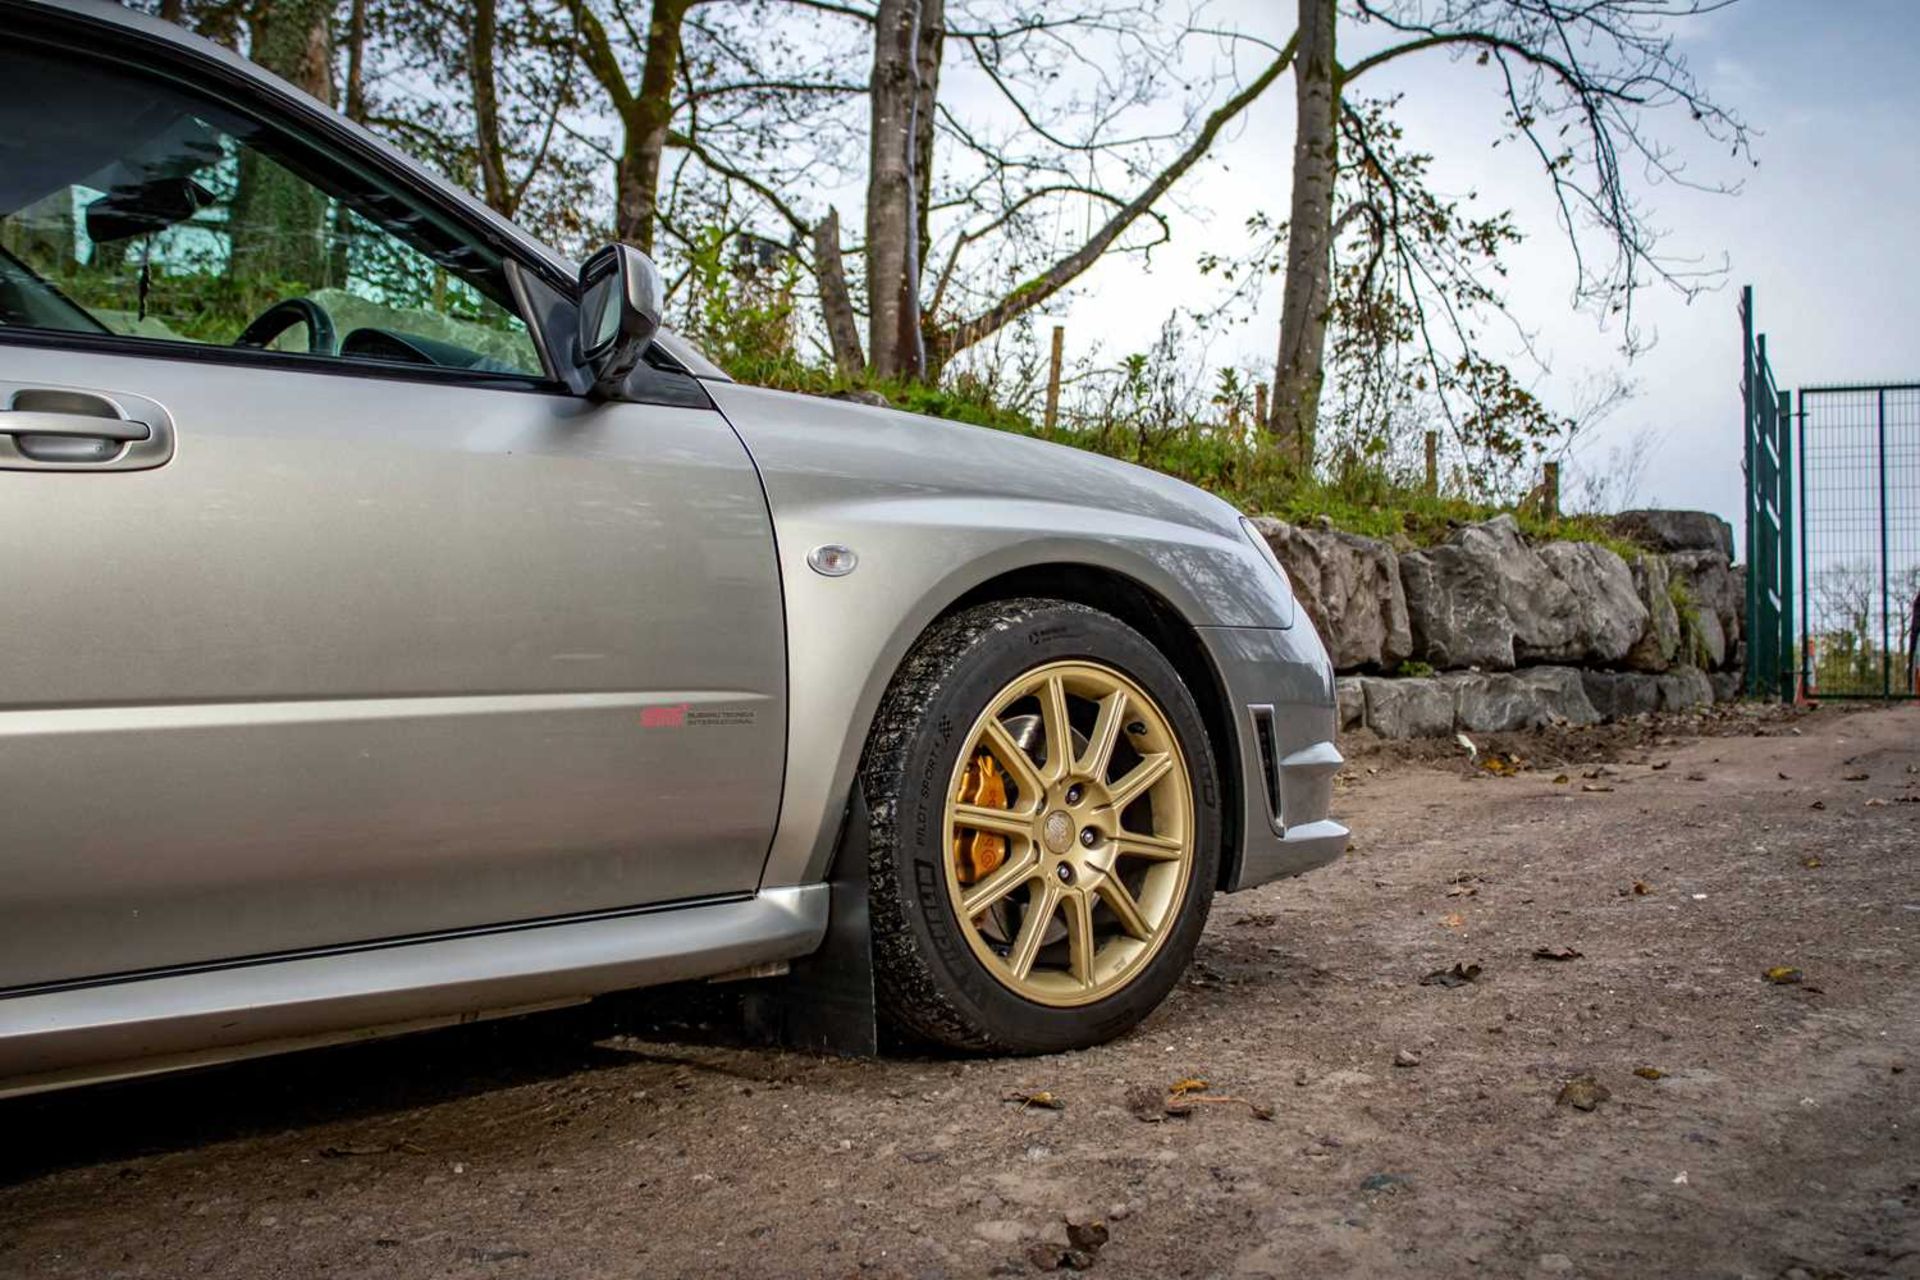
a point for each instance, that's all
(1824, 228)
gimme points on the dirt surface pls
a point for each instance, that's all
(1778, 1139)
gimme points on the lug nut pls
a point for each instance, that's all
(1065, 873)
(1089, 837)
(1074, 793)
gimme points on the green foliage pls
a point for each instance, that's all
(1411, 670)
(1693, 646)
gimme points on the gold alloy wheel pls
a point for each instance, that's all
(1069, 826)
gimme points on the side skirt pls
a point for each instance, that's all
(140, 1026)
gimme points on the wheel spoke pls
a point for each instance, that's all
(1080, 941)
(1026, 775)
(1058, 729)
(1010, 875)
(1106, 732)
(1120, 901)
(1143, 775)
(1131, 844)
(1001, 822)
(1033, 928)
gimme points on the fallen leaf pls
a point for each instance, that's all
(1783, 975)
(1184, 1104)
(1052, 1257)
(1876, 803)
(1811, 863)
(1582, 1093)
(1650, 1073)
(1555, 953)
(1192, 1084)
(1561, 779)
(1642, 887)
(1854, 777)
(1463, 891)
(1453, 921)
(1662, 764)
(1044, 1099)
(1818, 804)
(1467, 742)
(1594, 786)
(1458, 976)
(1090, 1236)
(1696, 777)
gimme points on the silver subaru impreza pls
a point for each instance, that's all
(401, 627)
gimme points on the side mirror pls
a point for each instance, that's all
(621, 295)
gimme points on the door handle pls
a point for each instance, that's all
(70, 429)
(23, 422)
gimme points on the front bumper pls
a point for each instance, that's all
(1279, 686)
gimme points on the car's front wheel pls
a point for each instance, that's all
(1046, 832)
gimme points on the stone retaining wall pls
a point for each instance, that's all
(1519, 636)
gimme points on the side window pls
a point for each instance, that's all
(130, 206)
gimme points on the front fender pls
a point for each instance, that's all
(933, 510)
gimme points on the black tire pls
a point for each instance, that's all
(930, 984)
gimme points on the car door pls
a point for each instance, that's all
(322, 639)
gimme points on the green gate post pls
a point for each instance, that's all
(1783, 421)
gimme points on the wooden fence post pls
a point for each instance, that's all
(1053, 375)
(1433, 464)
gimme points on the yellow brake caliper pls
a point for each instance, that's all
(980, 853)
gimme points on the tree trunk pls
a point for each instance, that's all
(927, 50)
(894, 342)
(836, 301)
(354, 102)
(482, 38)
(637, 177)
(1304, 302)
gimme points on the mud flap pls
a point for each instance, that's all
(825, 1004)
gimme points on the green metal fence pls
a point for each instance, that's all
(1860, 540)
(1770, 665)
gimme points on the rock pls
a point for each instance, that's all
(1611, 616)
(1718, 599)
(1677, 530)
(1502, 702)
(1727, 685)
(1350, 588)
(1484, 598)
(1407, 708)
(1406, 1058)
(1553, 1264)
(1684, 689)
(1389, 1182)
(1351, 698)
(1561, 693)
(1659, 641)
(1619, 695)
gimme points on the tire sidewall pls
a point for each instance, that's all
(976, 674)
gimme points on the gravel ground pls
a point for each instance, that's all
(1387, 1128)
